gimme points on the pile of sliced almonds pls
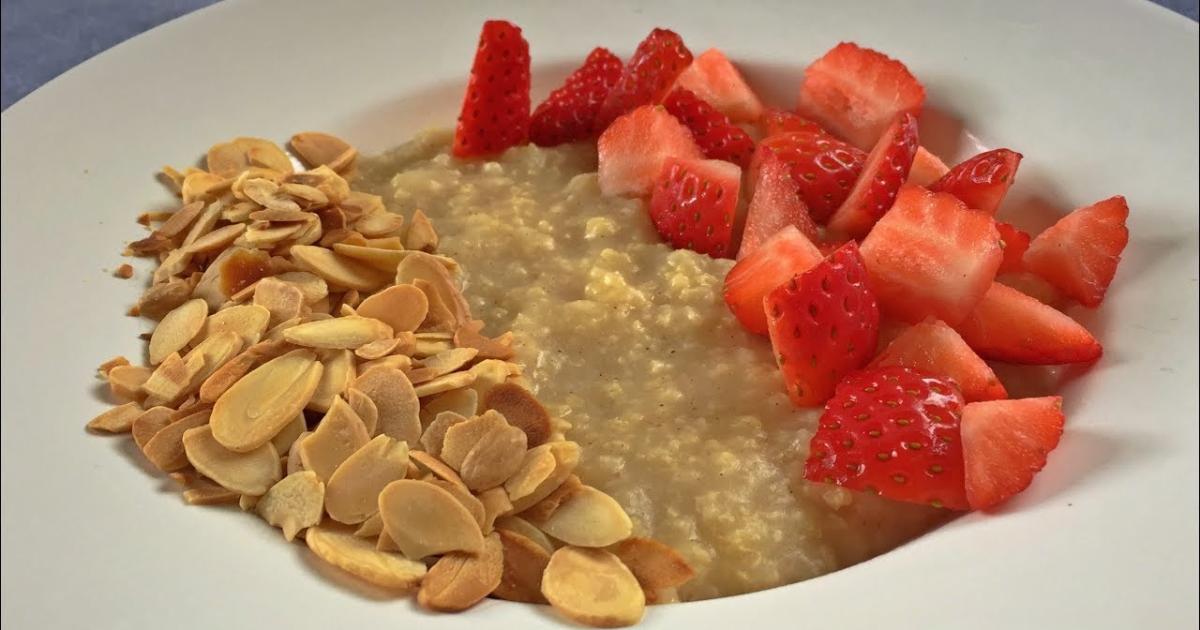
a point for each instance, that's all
(314, 361)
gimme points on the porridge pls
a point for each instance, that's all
(681, 414)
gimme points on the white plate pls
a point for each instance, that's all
(1101, 100)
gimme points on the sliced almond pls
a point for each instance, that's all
(308, 196)
(488, 374)
(359, 203)
(536, 467)
(150, 422)
(655, 565)
(444, 363)
(161, 299)
(293, 504)
(435, 434)
(521, 410)
(263, 402)
(311, 285)
(294, 463)
(541, 511)
(177, 329)
(288, 434)
(232, 271)
(118, 419)
(381, 259)
(463, 402)
(421, 266)
(200, 185)
(394, 361)
(444, 383)
(315, 148)
(217, 239)
(397, 403)
(165, 450)
(249, 321)
(438, 469)
(339, 332)
(180, 220)
(261, 235)
(588, 518)
(252, 472)
(359, 557)
(385, 543)
(439, 318)
(282, 299)
(234, 369)
(339, 434)
(353, 493)
(337, 270)
(424, 519)
(464, 496)
(566, 457)
(403, 307)
(370, 528)
(495, 504)
(280, 215)
(524, 563)
(203, 225)
(458, 581)
(518, 525)
(378, 349)
(336, 378)
(591, 586)
(386, 242)
(201, 491)
(494, 458)
(172, 379)
(421, 235)
(276, 333)
(382, 223)
(463, 436)
(215, 351)
(365, 408)
(125, 381)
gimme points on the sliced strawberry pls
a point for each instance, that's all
(857, 92)
(823, 325)
(1005, 443)
(495, 111)
(1015, 242)
(895, 432)
(883, 173)
(934, 347)
(1034, 286)
(777, 121)
(717, 137)
(1079, 254)
(926, 168)
(694, 202)
(824, 167)
(931, 256)
(714, 78)
(647, 76)
(569, 113)
(1008, 325)
(774, 205)
(633, 148)
(773, 263)
(981, 181)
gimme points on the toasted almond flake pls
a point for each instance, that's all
(403, 307)
(286, 436)
(353, 492)
(108, 365)
(439, 317)
(380, 223)
(263, 402)
(148, 423)
(152, 245)
(566, 457)
(217, 239)
(495, 504)
(294, 463)
(468, 336)
(424, 520)
(294, 503)
(316, 148)
(177, 329)
(311, 285)
(203, 224)
(421, 266)
(161, 299)
(398, 362)
(339, 373)
(312, 197)
(174, 264)
(370, 528)
(461, 437)
(180, 220)
(381, 259)
(421, 235)
(435, 434)
(172, 379)
(386, 242)
(238, 212)
(592, 587)
(522, 410)
(364, 407)
(310, 232)
(283, 300)
(439, 469)
(340, 332)
(344, 162)
(378, 349)
(359, 203)
(280, 215)
(266, 235)
(118, 419)
(276, 334)
(214, 351)
(329, 182)
(524, 563)
(446, 362)
(359, 557)
(125, 381)
(429, 347)
(493, 459)
(237, 367)
(172, 178)
(536, 466)
(588, 518)
(518, 525)
(656, 566)
(201, 491)
(541, 511)
(200, 185)
(228, 159)
(458, 581)
(252, 472)
(247, 503)
(232, 271)
(165, 450)
(248, 321)
(337, 270)
(394, 397)
(488, 374)
(339, 434)
(444, 384)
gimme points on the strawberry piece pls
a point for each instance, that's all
(934, 347)
(926, 168)
(714, 78)
(569, 113)
(495, 111)
(1015, 242)
(824, 167)
(776, 261)
(981, 181)
(1008, 325)
(1034, 286)
(774, 205)
(777, 121)
(1079, 254)
(717, 137)
(895, 432)
(823, 325)
(883, 173)
(647, 76)
(857, 92)
(633, 148)
(694, 202)
(931, 256)
(1005, 443)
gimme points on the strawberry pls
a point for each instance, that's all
(823, 325)
(717, 137)
(931, 256)
(1015, 242)
(1007, 325)
(776, 261)
(647, 76)
(569, 113)
(777, 121)
(883, 173)
(926, 168)
(824, 167)
(495, 111)
(932, 346)
(1005, 443)
(981, 181)
(774, 205)
(857, 92)
(893, 431)
(694, 202)
(1034, 286)
(633, 148)
(713, 78)
(1079, 254)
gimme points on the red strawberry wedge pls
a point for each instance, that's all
(1008, 325)
(647, 76)
(776, 261)
(569, 113)
(856, 93)
(774, 205)
(717, 137)
(981, 181)
(934, 347)
(1080, 253)
(633, 148)
(495, 111)
(883, 173)
(1015, 242)
(824, 167)
(776, 121)
(823, 325)
(714, 78)
(931, 256)
(693, 204)
(892, 431)
(926, 168)
(1005, 443)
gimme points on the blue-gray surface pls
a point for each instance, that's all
(44, 38)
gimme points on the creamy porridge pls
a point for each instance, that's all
(681, 414)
